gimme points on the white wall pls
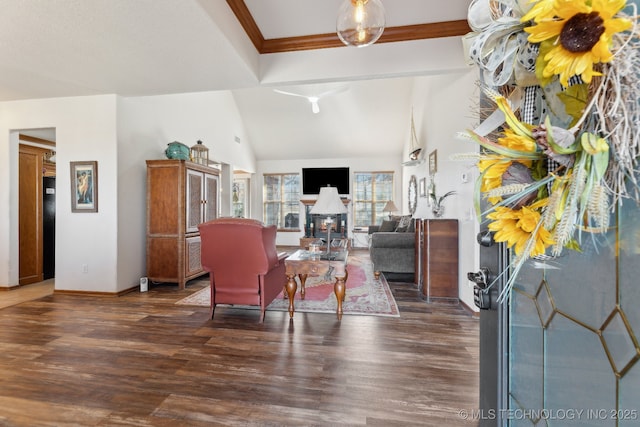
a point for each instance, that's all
(443, 106)
(85, 130)
(120, 134)
(145, 126)
(364, 164)
(436, 56)
(132, 222)
(212, 117)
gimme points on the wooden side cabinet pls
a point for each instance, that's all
(180, 195)
(439, 258)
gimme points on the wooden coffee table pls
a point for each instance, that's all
(303, 263)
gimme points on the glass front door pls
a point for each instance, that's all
(574, 334)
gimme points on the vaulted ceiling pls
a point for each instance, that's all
(152, 47)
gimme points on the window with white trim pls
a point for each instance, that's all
(372, 190)
(281, 197)
(240, 198)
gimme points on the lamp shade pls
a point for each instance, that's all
(360, 22)
(390, 207)
(328, 202)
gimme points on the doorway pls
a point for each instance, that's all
(36, 205)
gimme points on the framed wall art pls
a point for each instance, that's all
(423, 187)
(84, 186)
(433, 162)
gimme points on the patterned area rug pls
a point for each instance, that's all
(364, 294)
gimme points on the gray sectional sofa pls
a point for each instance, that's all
(392, 248)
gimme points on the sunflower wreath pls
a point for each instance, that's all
(567, 150)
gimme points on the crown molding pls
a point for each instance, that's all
(331, 40)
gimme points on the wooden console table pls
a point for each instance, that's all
(303, 263)
(439, 258)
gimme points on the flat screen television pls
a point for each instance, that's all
(315, 178)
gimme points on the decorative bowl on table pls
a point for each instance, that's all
(177, 151)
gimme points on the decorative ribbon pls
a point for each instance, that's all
(498, 46)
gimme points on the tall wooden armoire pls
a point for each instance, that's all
(180, 195)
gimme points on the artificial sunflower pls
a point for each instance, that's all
(494, 167)
(519, 142)
(578, 36)
(518, 227)
(542, 9)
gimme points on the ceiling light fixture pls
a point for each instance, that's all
(313, 99)
(360, 22)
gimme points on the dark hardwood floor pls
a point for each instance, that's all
(141, 360)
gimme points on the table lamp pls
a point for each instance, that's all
(390, 207)
(328, 203)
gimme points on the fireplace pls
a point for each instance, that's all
(316, 226)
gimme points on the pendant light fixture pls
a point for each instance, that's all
(360, 22)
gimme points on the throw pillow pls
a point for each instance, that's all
(388, 226)
(403, 224)
(412, 226)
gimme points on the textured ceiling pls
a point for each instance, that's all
(150, 47)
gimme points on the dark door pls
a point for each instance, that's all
(48, 227)
(489, 282)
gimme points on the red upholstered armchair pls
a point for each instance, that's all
(243, 264)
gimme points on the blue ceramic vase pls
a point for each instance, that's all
(177, 151)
